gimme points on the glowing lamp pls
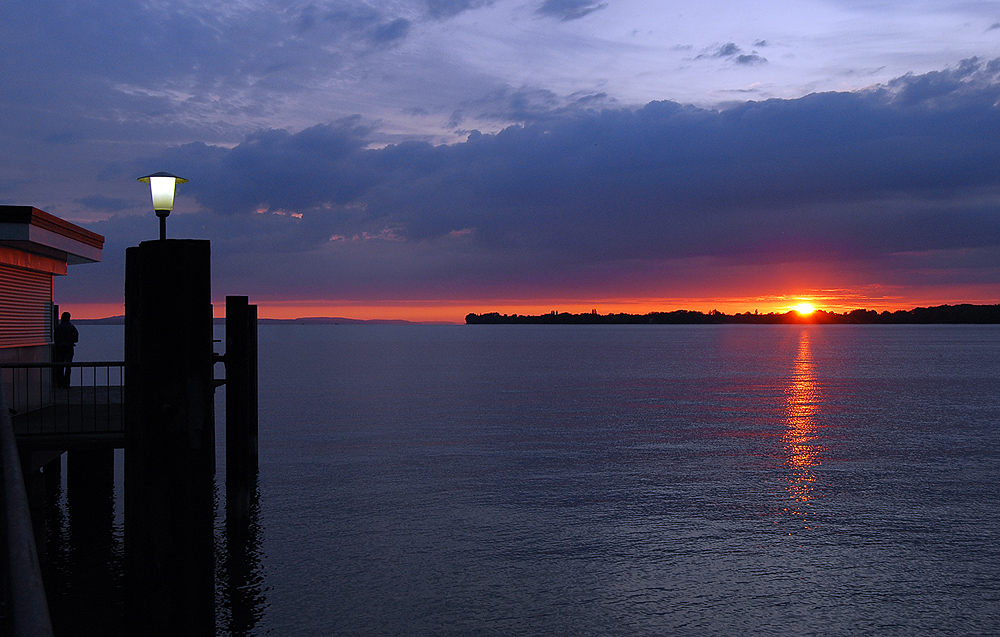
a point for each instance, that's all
(162, 186)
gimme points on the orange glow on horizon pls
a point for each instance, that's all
(92, 310)
(805, 309)
(454, 311)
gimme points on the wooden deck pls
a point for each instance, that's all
(80, 417)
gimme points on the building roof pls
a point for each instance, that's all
(35, 231)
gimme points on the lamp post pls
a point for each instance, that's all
(161, 186)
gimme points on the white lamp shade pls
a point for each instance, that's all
(163, 192)
(162, 186)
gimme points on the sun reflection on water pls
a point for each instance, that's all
(801, 449)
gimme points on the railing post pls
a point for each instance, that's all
(94, 407)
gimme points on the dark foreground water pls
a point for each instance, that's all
(620, 480)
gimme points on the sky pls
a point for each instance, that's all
(422, 159)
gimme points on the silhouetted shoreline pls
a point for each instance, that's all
(941, 314)
(958, 314)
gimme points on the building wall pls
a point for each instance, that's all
(25, 334)
(25, 308)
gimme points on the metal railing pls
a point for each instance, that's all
(25, 609)
(41, 402)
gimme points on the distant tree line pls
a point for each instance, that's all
(964, 313)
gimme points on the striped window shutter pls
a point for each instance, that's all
(25, 307)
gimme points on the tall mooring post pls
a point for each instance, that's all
(241, 389)
(170, 438)
(242, 494)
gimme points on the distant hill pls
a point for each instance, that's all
(326, 320)
(965, 313)
(111, 320)
(319, 320)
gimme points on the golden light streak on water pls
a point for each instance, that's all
(802, 451)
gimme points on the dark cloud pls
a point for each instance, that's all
(524, 105)
(274, 170)
(911, 166)
(342, 17)
(173, 71)
(442, 9)
(948, 89)
(105, 204)
(567, 10)
(750, 59)
(728, 50)
(732, 51)
(391, 32)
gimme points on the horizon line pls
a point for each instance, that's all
(330, 319)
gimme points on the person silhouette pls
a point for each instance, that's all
(66, 337)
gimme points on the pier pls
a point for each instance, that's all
(88, 415)
(157, 406)
(88, 421)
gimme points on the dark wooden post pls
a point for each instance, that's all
(34, 488)
(52, 472)
(90, 495)
(242, 495)
(241, 389)
(90, 499)
(170, 438)
(243, 558)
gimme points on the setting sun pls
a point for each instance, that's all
(804, 308)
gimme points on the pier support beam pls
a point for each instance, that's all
(242, 494)
(90, 498)
(170, 438)
(34, 488)
(52, 472)
(241, 390)
(90, 494)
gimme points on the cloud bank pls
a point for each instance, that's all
(899, 184)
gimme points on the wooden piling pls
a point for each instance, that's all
(90, 491)
(242, 494)
(170, 438)
(34, 488)
(52, 472)
(241, 389)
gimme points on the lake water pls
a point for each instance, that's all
(620, 480)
